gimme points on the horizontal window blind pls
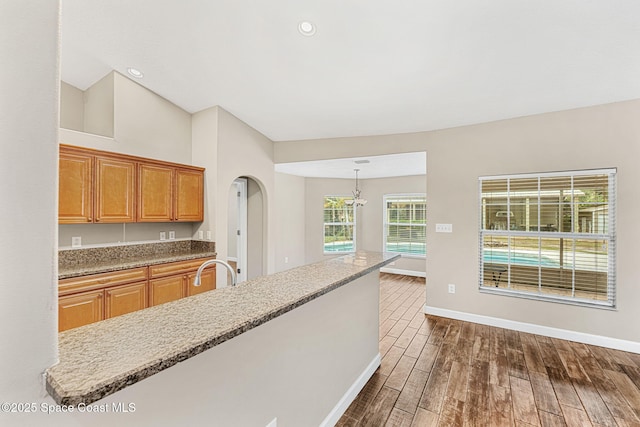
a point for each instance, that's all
(405, 224)
(339, 225)
(550, 235)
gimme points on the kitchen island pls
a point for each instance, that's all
(296, 345)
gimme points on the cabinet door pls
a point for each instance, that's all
(155, 193)
(166, 289)
(75, 191)
(189, 195)
(125, 299)
(115, 186)
(80, 309)
(207, 280)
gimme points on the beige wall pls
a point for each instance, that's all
(98, 117)
(152, 125)
(290, 220)
(369, 218)
(29, 84)
(371, 235)
(231, 148)
(71, 107)
(596, 137)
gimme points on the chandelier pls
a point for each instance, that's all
(357, 199)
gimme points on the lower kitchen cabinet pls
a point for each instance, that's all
(80, 309)
(166, 289)
(125, 299)
(172, 281)
(87, 299)
(207, 282)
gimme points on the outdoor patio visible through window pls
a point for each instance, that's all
(549, 236)
(405, 224)
(339, 225)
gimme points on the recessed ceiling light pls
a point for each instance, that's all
(134, 72)
(306, 28)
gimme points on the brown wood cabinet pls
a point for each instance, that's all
(99, 186)
(87, 299)
(125, 299)
(167, 193)
(189, 198)
(172, 281)
(95, 187)
(75, 198)
(114, 190)
(80, 309)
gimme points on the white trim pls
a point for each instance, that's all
(232, 258)
(606, 171)
(351, 394)
(565, 334)
(403, 272)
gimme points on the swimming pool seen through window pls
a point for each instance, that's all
(405, 224)
(549, 236)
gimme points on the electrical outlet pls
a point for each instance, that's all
(172, 235)
(208, 234)
(200, 234)
(163, 235)
(452, 288)
(444, 228)
(76, 242)
(286, 260)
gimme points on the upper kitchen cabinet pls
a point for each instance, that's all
(115, 186)
(189, 204)
(95, 187)
(102, 187)
(75, 200)
(170, 193)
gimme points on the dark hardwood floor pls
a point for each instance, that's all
(443, 372)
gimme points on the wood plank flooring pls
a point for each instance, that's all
(443, 372)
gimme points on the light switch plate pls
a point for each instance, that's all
(444, 228)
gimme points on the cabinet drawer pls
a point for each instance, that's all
(178, 267)
(102, 280)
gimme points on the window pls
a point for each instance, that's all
(339, 225)
(549, 236)
(405, 224)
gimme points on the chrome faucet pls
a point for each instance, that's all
(196, 281)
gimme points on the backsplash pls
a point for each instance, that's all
(73, 257)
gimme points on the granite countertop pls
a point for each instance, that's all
(75, 263)
(101, 358)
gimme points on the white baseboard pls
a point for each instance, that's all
(599, 340)
(351, 394)
(403, 272)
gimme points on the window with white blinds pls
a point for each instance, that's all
(405, 224)
(339, 225)
(550, 236)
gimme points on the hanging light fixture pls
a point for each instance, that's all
(357, 200)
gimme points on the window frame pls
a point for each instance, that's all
(353, 224)
(385, 224)
(609, 236)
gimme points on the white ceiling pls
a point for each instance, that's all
(373, 66)
(405, 164)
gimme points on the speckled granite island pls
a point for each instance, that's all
(308, 334)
